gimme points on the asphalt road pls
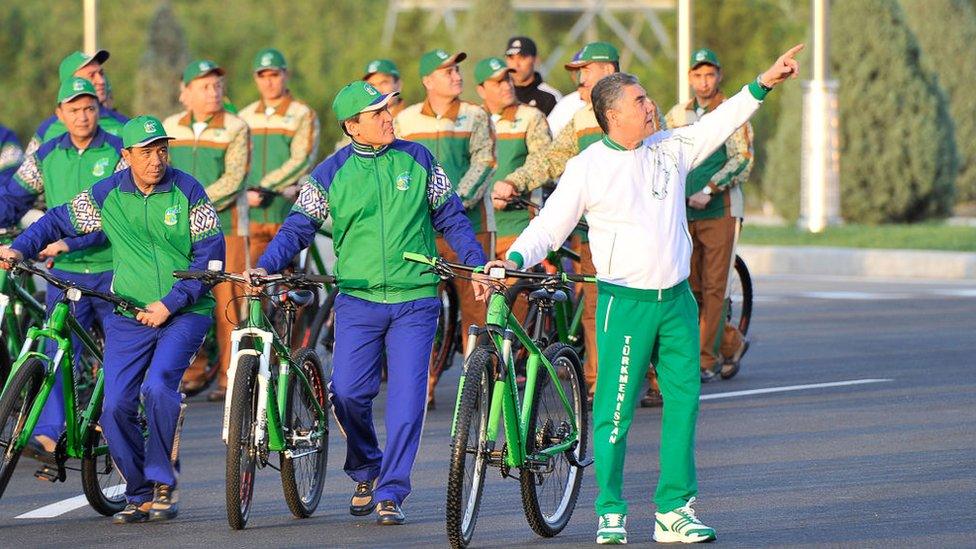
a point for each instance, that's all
(886, 463)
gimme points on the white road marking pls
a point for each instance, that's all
(956, 292)
(731, 394)
(67, 505)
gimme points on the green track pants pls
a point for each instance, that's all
(636, 328)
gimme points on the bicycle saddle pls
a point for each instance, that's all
(301, 297)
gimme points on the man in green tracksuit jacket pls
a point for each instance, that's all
(386, 197)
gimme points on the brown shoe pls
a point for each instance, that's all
(217, 395)
(731, 366)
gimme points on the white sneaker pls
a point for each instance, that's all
(681, 526)
(612, 529)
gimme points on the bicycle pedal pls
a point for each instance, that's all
(49, 474)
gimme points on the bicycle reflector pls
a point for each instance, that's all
(73, 294)
(215, 265)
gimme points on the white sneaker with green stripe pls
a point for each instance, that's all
(681, 526)
(612, 529)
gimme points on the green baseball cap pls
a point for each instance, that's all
(75, 87)
(143, 130)
(594, 52)
(704, 56)
(384, 66)
(269, 58)
(200, 67)
(78, 59)
(435, 59)
(359, 96)
(490, 69)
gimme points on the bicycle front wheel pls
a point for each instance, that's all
(101, 480)
(15, 405)
(303, 464)
(466, 476)
(550, 487)
(242, 452)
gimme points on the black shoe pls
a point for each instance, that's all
(132, 514)
(731, 366)
(652, 399)
(165, 504)
(361, 503)
(389, 513)
(35, 450)
(708, 375)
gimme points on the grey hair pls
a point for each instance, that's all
(607, 92)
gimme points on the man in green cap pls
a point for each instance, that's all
(594, 62)
(458, 134)
(715, 211)
(158, 220)
(385, 196)
(384, 75)
(284, 143)
(214, 146)
(90, 67)
(57, 171)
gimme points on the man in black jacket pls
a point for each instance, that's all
(520, 54)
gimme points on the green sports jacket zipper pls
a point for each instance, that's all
(379, 191)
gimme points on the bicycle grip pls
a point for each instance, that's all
(418, 258)
(320, 279)
(190, 275)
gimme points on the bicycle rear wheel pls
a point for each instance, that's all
(466, 476)
(446, 337)
(242, 452)
(15, 405)
(549, 491)
(303, 465)
(739, 304)
(101, 480)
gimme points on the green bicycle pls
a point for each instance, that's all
(20, 309)
(543, 438)
(282, 409)
(30, 384)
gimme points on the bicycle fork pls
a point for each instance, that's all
(264, 375)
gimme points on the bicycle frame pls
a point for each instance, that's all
(503, 328)
(14, 295)
(257, 330)
(59, 327)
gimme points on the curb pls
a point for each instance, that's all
(858, 262)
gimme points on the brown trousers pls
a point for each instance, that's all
(226, 314)
(711, 262)
(588, 320)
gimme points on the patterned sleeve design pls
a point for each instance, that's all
(86, 217)
(311, 200)
(204, 222)
(10, 155)
(29, 175)
(736, 170)
(438, 187)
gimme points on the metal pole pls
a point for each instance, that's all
(820, 166)
(684, 48)
(91, 26)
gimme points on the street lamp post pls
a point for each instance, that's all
(820, 164)
(684, 48)
(90, 8)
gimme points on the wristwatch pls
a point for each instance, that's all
(707, 191)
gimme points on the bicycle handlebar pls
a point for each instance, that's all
(300, 279)
(445, 269)
(581, 224)
(119, 302)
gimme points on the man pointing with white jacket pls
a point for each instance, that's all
(630, 186)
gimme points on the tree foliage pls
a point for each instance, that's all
(945, 30)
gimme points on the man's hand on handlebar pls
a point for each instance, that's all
(502, 193)
(252, 289)
(503, 263)
(54, 249)
(9, 256)
(155, 315)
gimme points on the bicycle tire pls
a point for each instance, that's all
(99, 476)
(546, 411)
(5, 364)
(242, 453)
(303, 498)
(447, 340)
(463, 503)
(745, 279)
(17, 399)
(322, 331)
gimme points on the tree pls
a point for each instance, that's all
(942, 28)
(897, 152)
(160, 72)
